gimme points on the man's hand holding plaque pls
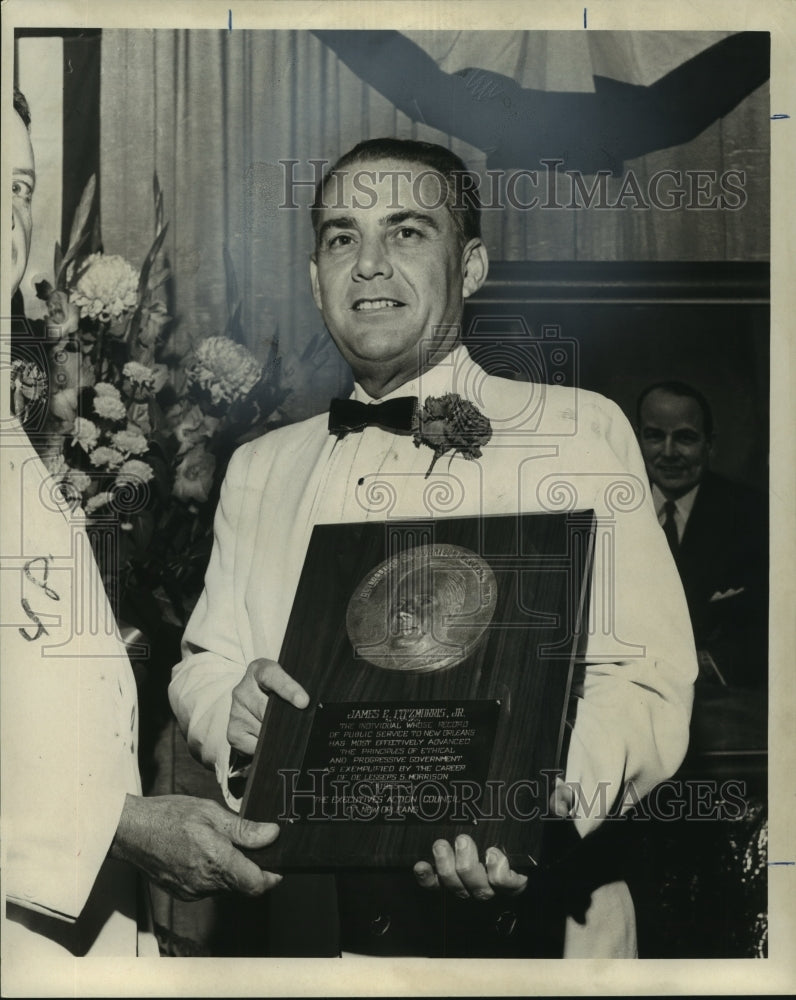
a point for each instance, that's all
(263, 677)
(458, 868)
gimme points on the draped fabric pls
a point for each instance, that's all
(214, 113)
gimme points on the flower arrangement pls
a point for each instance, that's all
(140, 429)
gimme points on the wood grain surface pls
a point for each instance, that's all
(521, 667)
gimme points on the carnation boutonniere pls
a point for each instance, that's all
(450, 423)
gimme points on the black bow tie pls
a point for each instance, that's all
(397, 414)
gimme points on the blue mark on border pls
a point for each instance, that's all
(775, 118)
(585, 25)
(772, 863)
(229, 20)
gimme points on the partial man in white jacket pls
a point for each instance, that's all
(397, 251)
(75, 826)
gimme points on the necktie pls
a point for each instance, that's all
(347, 415)
(670, 527)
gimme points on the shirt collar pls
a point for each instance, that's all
(682, 504)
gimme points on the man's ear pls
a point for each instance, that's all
(475, 267)
(316, 287)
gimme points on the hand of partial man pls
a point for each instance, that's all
(190, 846)
(249, 698)
(458, 868)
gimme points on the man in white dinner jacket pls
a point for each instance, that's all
(397, 251)
(74, 820)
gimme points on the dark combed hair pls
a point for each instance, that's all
(21, 106)
(462, 184)
(684, 390)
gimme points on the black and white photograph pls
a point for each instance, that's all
(397, 499)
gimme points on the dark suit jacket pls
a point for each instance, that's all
(723, 563)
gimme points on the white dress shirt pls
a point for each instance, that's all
(682, 508)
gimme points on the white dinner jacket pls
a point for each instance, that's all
(552, 448)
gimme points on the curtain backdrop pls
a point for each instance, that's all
(214, 113)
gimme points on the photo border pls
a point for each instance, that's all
(357, 975)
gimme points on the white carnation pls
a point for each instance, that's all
(107, 288)
(225, 369)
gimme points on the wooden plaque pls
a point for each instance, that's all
(439, 658)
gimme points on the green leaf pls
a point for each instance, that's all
(71, 254)
(234, 327)
(158, 278)
(154, 250)
(82, 213)
(158, 193)
(95, 246)
(58, 259)
(233, 295)
(149, 260)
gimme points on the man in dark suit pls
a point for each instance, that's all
(717, 530)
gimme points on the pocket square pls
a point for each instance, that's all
(722, 595)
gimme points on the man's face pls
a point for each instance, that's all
(673, 442)
(390, 273)
(414, 619)
(23, 181)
